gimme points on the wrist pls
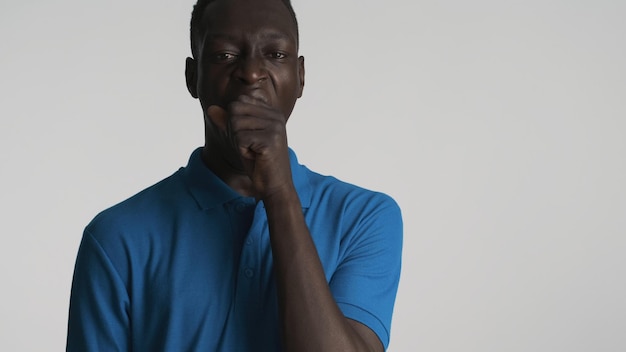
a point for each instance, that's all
(282, 197)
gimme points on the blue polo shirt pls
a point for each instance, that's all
(186, 265)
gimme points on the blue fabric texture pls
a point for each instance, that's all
(186, 265)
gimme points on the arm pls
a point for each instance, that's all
(311, 319)
(98, 319)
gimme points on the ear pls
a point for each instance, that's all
(191, 76)
(301, 74)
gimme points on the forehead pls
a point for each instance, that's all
(249, 17)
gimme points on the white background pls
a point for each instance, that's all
(498, 126)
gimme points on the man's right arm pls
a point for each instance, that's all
(99, 303)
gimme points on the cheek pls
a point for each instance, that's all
(211, 88)
(288, 97)
(289, 85)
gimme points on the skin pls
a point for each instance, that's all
(247, 75)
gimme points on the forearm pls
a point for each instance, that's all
(311, 319)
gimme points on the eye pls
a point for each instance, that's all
(224, 57)
(277, 55)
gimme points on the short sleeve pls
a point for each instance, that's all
(99, 303)
(366, 281)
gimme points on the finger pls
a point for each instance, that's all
(255, 97)
(263, 112)
(255, 144)
(240, 123)
(248, 104)
(218, 116)
(269, 135)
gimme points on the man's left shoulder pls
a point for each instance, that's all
(343, 192)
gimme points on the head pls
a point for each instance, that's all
(244, 47)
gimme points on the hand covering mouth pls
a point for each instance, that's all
(258, 94)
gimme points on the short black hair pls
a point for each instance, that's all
(196, 26)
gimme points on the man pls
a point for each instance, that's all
(244, 249)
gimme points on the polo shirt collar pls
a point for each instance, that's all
(209, 191)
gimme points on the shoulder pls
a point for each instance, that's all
(317, 190)
(352, 211)
(147, 206)
(334, 192)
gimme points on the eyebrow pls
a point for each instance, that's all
(274, 35)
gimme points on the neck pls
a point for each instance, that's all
(231, 173)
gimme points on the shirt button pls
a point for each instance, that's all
(249, 241)
(248, 272)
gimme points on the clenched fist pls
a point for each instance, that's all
(258, 133)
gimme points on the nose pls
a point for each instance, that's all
(251, 70)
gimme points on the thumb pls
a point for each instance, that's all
(218, 116)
